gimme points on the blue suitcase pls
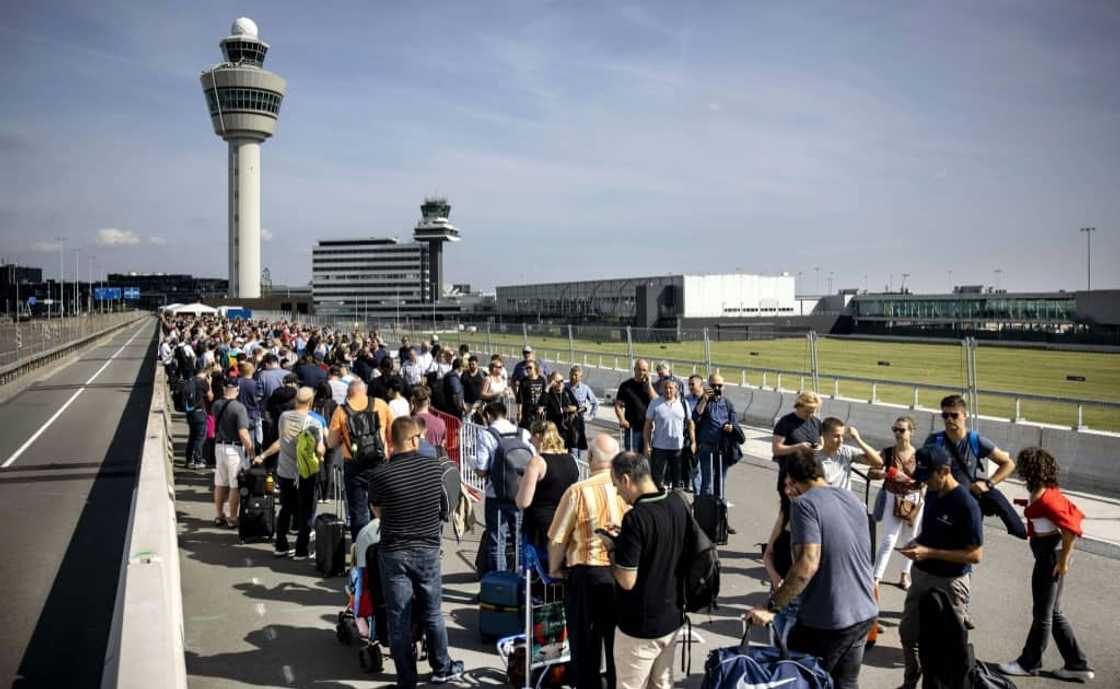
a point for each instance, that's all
(502, 590)
(497, 622)
(501, 597)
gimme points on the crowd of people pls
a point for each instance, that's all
(620, 536)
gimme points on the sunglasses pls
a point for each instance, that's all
(717, 386)
(950, 414)
(898, 429)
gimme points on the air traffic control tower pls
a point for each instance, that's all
(244, 103)
(434, 228)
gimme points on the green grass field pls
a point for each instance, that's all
(1004, 369)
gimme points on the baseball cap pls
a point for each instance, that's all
(526, 348)
(231, 381)
(929, 459)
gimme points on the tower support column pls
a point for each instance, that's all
(245, 218)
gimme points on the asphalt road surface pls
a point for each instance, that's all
(70, 445)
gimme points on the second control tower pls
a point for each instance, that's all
(244, 103)
(435, 229)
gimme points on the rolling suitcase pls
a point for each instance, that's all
(710, 511)
(256, 521)
(872, 530)
(330, 537)
(501, 610)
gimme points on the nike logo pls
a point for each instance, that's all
(768, 685)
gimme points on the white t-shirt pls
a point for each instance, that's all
(399, 407)
(838, 467)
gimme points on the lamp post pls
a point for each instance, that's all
(1088, 256)
(61, 282)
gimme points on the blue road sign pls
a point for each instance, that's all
(32, 301)
(131, 292)
(107, 293)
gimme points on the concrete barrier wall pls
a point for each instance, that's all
(1089, 459)
(146, 646)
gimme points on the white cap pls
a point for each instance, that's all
(243, 26)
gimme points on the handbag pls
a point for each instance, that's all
(906, 510)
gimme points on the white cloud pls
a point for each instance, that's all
(44, 247)
(111, 236)
(157, 241)
(266, 235)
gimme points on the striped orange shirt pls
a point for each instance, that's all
(585, 506)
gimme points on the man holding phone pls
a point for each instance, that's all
(715, 418)
(948, 545)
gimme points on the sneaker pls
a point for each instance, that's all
(299, 556)
(282, 552)
(452, 673)
(1014, 669)
(1074, 675)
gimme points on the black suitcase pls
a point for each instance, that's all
(256, 520)
(710, 511)
(330, 545)
(252, 481)
(330, 535)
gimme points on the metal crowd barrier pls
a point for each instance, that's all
(468, 446)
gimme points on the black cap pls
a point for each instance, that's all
(929, 459)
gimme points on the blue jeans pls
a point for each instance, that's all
(196, 424)
(357, 496)
(633, 440)
(498, 512)
(707, 460)
(411, 579)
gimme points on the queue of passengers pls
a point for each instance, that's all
(622, 598)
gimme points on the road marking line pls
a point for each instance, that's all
(65, 405)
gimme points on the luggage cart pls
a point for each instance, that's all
(546, 655)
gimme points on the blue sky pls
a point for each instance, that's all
(585, 139)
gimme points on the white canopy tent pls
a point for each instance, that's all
(170, 308)
(195, 309)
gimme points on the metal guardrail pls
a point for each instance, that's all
(735, 374)
(79, 332)
(772, 379)
(146, 644)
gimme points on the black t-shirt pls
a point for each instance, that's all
(408, 489)
(652, 541)
(635, 398)
(950, 522)
(472, 386)
(793, 429)
(310, 375)
(194, 394)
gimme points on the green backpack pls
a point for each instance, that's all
(307, 459)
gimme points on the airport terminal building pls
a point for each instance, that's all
(663, 301)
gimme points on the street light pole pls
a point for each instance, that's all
(61, 282)
(1089, 256)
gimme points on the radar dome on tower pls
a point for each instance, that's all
(243, 26)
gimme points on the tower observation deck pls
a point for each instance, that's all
(434, 228)
(244, 104)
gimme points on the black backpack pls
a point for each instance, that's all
(364, 429)
(511, 456)
(190, 395)
(699, 574)
(452, 487)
